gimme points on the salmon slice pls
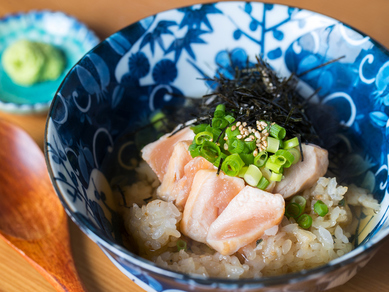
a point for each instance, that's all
(304, 174)
(158, 153)
(245, 220)
(209, 196)
(182, 188)
(175, 171)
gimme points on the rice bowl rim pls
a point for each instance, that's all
(106, 244)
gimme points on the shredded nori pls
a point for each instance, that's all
(257, 93)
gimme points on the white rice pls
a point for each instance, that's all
(282, 249)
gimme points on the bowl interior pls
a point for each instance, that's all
(100, 116)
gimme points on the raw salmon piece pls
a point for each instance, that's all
(175, 171)
(245, 219)
(209, 196)
(182, 188)
(157, 154)
(304, 174)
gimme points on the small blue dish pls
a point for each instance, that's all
(55, 28)
(114, 90)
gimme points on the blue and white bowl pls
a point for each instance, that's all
(118, 85)
(53, 27)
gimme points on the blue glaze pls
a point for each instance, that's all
(116, 88)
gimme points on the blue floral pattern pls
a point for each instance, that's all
(96, 122)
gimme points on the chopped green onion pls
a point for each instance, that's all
(199, 128)
(274, 165)
(203, 136)
(263, 183)
(181, 244)
(157, 120)
(194, 150)
(261, 158)
(342, 202)
(251, 145)
(219, 123)
(215, 132)
(232, 165)
(277, 131)
(320, 208)
(210, 151)
(220, 111)
(296, 153)
(217, 161)
(276, 176)
(305, 221)
(299, 200)
(235, 146)
(289, 158)
(281, 160)
(243, 171)
(232, 134)
(252, 175)
(247, 158)
(230, 119)
(291, 143)
(272, 144)
(293, 210)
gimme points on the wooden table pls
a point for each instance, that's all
(106, 17)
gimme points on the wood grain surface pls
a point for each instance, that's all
(106, 17)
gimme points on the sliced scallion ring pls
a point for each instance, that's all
(263, 183)
(272, 144)
(261, 158)
(291, 143)
(293, 210)
(252, 175)
(296, 153)
(203, 136)
(277, 132)
(299, 200)
(232, 164)
(210, 151)
(236, 146)
(181, 244)
(304, 221)
(320, 208)
(276, 176)
(287, 156)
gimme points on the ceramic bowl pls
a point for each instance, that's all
(56, 28)
(117, 86)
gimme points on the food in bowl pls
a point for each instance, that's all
(239, 192)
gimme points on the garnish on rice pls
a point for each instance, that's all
(254, 125)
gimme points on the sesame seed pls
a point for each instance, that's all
(240, 128)
(239, 137)
(244, 124)
(238, 124)
(257, 135)
(225, 138)
(226, 146)
(249, 139)
(255, 153)
(233, 128)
